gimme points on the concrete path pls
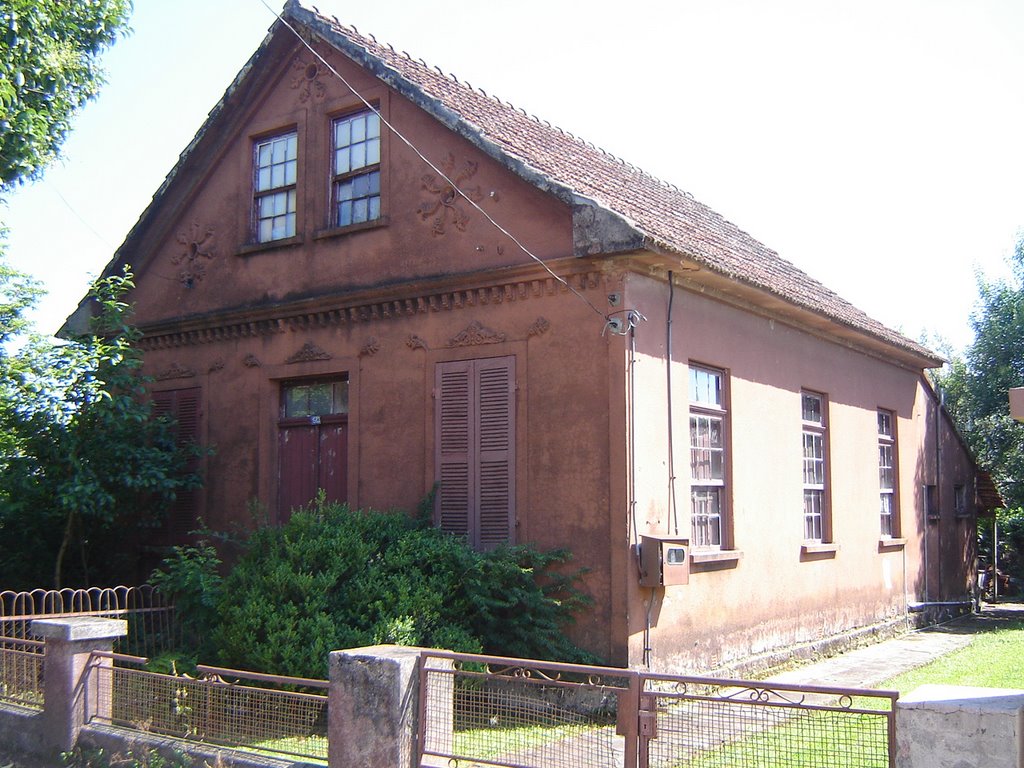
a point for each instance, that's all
(867, 667)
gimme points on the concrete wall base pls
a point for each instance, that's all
(951, 726)
(757, 666)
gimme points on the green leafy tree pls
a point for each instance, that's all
(86, 469)
(976, 389)
(49, 68)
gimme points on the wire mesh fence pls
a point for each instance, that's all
(492, 711)
(708, 723)
(486, 711)
(213, 709)
(152, 625)
(21, 672)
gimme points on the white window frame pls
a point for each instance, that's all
(275, 177)
(709, 459)
(888, 475)
(814, 441)
(356, 168)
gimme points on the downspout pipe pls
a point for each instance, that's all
(673, 522)
(938, 485)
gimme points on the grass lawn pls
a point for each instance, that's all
(993, 660)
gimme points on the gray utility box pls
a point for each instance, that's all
(664, 560)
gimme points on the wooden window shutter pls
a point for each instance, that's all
(495, 393)
(475, 441)
(183, 407)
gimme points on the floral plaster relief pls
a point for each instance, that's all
(308, 353)
(476, 333)
(306, 80)
(446, 205)
(198, 248)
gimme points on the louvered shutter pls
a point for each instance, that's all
(182, 406)
(495, 392)
(453, 445)
(475, 449)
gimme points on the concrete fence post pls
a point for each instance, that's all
(373, 707)
(951, 726)
(70, 694)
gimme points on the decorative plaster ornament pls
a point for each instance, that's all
(198, 246)
(476, 333)
(447, 207)
(308, 353)
(306, 80)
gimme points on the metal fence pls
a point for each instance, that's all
(226, 707)
(712, 723)
(488, 711)
(152, 628)
(21, 672)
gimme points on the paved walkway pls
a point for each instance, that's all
(867, 667)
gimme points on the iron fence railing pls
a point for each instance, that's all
(152, 625)
(233, 708)
(21, 672)
(706, 723)
(489, 711)
(494, 711)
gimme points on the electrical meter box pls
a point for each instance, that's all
(664, 561)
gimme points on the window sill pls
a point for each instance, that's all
(329, 232)
(699, 557)
(887, 544)
(271, 245)
(819, 548)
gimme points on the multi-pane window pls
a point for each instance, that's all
(275, 165)
(708, 463)
(814, 469)
(887, 473)
(321, 398)
(356, 184)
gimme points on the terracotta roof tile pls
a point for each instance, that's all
(669, 218)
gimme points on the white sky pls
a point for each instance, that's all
(877, 144)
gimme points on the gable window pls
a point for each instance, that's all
(475, 449)
(356, 181)
(815, 470)
(708, 457)
(887, 474)
(275, 165)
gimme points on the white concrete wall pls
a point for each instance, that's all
(950, 726)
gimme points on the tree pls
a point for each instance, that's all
(976, 390)
(85, 466)
(976, 386)
(49, 68)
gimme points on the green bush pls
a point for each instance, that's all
(333, 578)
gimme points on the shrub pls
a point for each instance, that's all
(333, 578)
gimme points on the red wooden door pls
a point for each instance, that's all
(312, 444)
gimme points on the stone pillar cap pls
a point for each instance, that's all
(960, 698)
(80, 628)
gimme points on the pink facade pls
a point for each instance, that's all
(342, 319)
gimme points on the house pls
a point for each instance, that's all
(366, 277)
